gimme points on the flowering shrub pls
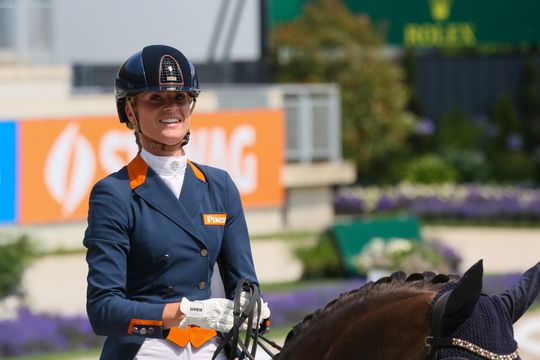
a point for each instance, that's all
(31, 333)
(448, 201)
(405, 255)
(15, 255)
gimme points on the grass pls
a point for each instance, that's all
(482, 223)
(298, 285)
(62, 252)
(279, 333)
(288, 236)
(446, 221)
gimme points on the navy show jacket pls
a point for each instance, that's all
(146, 248)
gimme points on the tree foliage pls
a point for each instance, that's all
(329, 44)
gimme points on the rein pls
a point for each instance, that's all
(241, 349)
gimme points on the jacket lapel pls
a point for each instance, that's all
(192, 192)
(155, 192)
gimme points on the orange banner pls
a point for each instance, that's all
(61, 159)
(250, 145)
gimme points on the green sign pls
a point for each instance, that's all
(441, 23)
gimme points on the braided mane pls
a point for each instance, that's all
(397, 284)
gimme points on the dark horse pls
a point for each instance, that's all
(420, 316)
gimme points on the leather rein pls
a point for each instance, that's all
(250, 314)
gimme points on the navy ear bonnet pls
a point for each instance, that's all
(488, 326)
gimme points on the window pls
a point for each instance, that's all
(7, 24)
(39, 25)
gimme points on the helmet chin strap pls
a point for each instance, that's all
(153, 142)
(163, 147)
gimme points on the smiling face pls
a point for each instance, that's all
(162, 116)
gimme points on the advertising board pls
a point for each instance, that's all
(50, 165)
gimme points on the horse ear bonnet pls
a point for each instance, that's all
(462, 299)
(461, 311)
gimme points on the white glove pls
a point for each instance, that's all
(214, 314)
(217, 313)
(265, 311)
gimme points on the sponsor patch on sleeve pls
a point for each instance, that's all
(214, 219)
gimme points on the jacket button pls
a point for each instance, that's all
(202, 285)
(143, 331)
(164, 258)
(151, 330)
(204, 252)
(135, 330)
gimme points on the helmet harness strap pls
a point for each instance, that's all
(153, 142)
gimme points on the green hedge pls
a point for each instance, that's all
(14, 257)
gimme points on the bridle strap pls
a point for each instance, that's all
(431, 342)
(253, 320)
(467, 345)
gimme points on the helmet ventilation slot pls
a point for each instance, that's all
(169, 72)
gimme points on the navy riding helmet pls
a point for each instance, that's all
(154, 68)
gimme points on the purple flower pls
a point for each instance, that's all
(471, 202)
(497, 284)
(429, 207)
(514, 142)
(349, 204)
(387, 203)
(425, 127)
(451, 256)
(292, 306)
(42, 333)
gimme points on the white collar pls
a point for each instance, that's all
(165, 165)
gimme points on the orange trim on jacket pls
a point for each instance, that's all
(196, 335)
(198, 173)
(142, 322)
(137, 170)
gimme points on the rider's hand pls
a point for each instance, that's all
(217, 314)
(265, 311)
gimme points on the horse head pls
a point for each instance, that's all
(418, 316)
(387, 319)
(467, 324)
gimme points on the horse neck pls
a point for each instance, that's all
(391, 327)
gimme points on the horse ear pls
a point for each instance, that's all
(463, 299)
